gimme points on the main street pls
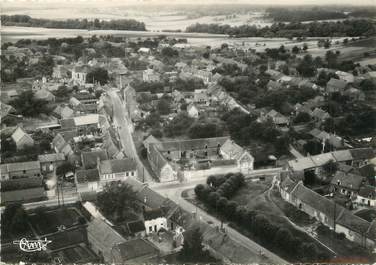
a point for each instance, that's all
(124, 125)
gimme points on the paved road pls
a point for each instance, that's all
(47, 203)
(173, 191)
(124, 125)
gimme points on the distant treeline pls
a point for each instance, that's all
(346, 28)
(96, 24)
(289, 15)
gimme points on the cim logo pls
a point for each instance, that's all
(32, 245)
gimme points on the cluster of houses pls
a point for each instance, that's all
(185, 159)
(352, 185)
(158, 231)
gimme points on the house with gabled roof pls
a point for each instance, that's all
(193, 111)
(49, 162)
(328, 213)
(335, 86)
(117, 169)
(135, 251)
(232, 151)
(346, 183)
(366, 196)
(112, 144)
(87, 180)
(63, 112)
(102, 238)
(186, 158)
(22, 139)
(60, 145)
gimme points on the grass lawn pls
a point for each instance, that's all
(48, 221)
(295, 215)
(348, 252)
(256, 196)
(367, 214)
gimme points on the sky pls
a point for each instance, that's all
(141, 2)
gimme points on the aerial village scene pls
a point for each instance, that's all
(155, 132)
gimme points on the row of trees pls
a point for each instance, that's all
(349, 28)
(299, 15)
(27, 21)
(277, 238)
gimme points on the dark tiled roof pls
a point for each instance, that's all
(153, 214)
(367, 171)
(362, 153)
(136, 248)
(89, 159)
(316, 201)
(117, 166)
(136, 226)
(368, 191)
(347, 180)
(87, 175)
(189, 144)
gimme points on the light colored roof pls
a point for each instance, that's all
(86, 120)
(117, 166)
(12, 167)
(322, 159)
(18, 134)
(232, 149)
(342, 155)
(339, 84)
(301, 163)
(51, 157)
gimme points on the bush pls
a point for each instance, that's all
(199, 189)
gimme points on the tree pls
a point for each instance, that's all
(29, 106)
(179, 125)
(97, 75)
(164, 106)
(62, 92)
(199, 190)
(367, 85)
(302, 117)
(193, 249)
(203, 129)
(330, 167)
(116, 199)
(295, 49)
(169, 52)
(64, 168)
(14, 219)
(306, 67)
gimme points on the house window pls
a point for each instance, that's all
(168, 152)
(150, 229)
(127, 174)
(132, 173)
(162, 224)
(24, 171)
